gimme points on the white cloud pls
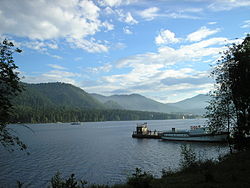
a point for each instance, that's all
(54, 56)
(129, 19)
(153, 12)
(91, 45)
(224, 5)
(126, 17)
(144, 79)
(169, 56)
(127, 31)
(192, 10)
(166, 37)
(200, 34)
(180, 15)
(150, 13)
(41, 46)
(246, 24)
(119, 45)
(114, 3)
(78, 58)
(108, 26)
(52, 76)
(56, 66)
(211, 23)
(158, 71)
(58, 19)
(105, 68)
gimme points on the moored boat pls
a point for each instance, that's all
(195, 134)
(142, 131)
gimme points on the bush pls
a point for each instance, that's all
(167, 172)
(140, 180)
(58, 182)
(188, 157)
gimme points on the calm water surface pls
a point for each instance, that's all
(98, 152)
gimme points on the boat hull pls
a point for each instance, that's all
(204, 138)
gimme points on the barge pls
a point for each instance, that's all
(142, 131)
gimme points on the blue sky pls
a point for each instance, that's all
(162, 49)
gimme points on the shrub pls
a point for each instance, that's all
(139, 179)
(58, 182)
(188, 157)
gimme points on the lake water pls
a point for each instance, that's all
(98, 152)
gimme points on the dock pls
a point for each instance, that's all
(142, 131)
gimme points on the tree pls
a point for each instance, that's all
(240, 86)
(230, 104)
(9, 87)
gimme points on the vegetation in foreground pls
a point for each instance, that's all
(229, 171)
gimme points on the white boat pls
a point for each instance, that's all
(195, 134)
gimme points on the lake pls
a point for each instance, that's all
(98, 152)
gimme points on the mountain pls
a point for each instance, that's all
(60, 102)
(112, 105)
(55, 95)
(46, 95)
(137, 102)
(194, 105)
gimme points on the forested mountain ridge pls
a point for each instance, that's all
(66, 95)
(194, 105)
(61, 102)
(56, 95)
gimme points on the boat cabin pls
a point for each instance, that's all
(142, 129)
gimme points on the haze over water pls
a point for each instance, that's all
(98, 152)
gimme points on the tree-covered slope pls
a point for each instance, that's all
(56, 95)
(60, 102)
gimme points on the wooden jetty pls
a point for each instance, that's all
(142, 131)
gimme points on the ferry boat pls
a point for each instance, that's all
(142, 131)
(195, 134)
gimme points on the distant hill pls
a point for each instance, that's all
(56, 95)
(137, 102)
(46, 95)
(61, 102)
(194, 105)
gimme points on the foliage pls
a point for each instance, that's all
(140, 179)
(58, 182)
(24, 114)
(230, 104)
(167, 172)
(9, 88)
(188, 157)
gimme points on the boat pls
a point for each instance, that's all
(142, 131)
(195, 134)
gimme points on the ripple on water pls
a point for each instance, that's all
(101, 152)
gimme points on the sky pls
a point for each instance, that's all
(161, 49)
